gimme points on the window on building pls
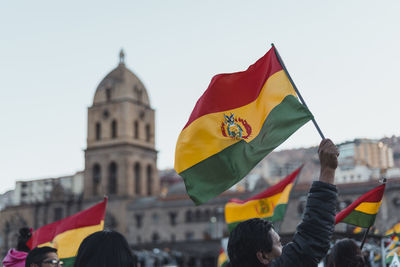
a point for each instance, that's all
(148, 133)
(139, 240)
(108, 94)
(149, 180)
(136, 130)
(138, 179)
(58, 214)
(188, 216)
(206, 215)
(139, 220)
(172, 218)
(155, 218)
(197, 216)
(114, 130)
(155, 237)
(189, 236)
(96, 178)
(112, 178)
(173, 238)
(98, 131)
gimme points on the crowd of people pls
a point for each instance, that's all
(252, 243)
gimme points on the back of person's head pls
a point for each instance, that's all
(37, 255)
(345, 253)
(246, 240)
(23, 237)
(105, 249)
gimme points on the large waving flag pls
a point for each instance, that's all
(362, 212)
(269, 204)
(67, 234)
(239, 119)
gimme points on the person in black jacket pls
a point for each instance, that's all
(255, 243)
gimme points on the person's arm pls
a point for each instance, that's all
(311, 241)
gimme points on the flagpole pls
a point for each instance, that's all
(297, 91)
(365, 237)
(383, 254)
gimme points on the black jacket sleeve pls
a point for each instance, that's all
(311, 240)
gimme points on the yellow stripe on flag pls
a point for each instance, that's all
(369, 207)
(68, 242)
(203, 137)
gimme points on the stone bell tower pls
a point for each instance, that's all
(120, 158)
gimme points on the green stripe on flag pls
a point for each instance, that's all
(359, 218)
(68, 262)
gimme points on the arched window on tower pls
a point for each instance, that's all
(148, 133)
(96, 179)
(149, 180)
(114, 132)
(98, 131)
(138, 178)
(136, 130)
(108, 94)
(112, 178)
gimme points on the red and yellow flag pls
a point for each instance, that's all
(239, 119)
(67, 234)
(269, 204)
(362, 212)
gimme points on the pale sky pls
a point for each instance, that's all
(343, 56)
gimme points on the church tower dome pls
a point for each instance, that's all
(121, 84)
(120, 157)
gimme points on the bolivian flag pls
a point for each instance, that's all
(362, 212)
(67, 234)
(394, 231)
(239, 119)
(222, 258)
(269, 204)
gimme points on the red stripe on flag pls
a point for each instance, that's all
(375, 195)
(273, 190)
(88, 217)
(233, 90)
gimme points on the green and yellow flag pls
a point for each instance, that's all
(222, 259)
(269, 204)
(67, 234)
(239, 119)
(362, 212)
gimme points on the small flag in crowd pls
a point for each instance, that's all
(357, 230)
(394, 231)
(362, 212)
(394, 260)
(239, 119)
(269, 204)
(223, 258)
(67, 234)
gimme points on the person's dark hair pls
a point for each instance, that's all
(246, 240)
(345, 253)
(23, 237)
(105, 249)
(37, 255)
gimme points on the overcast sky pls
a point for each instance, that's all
(343, 56)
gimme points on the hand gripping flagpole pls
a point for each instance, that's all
(297, 91)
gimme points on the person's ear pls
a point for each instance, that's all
(262, 257)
